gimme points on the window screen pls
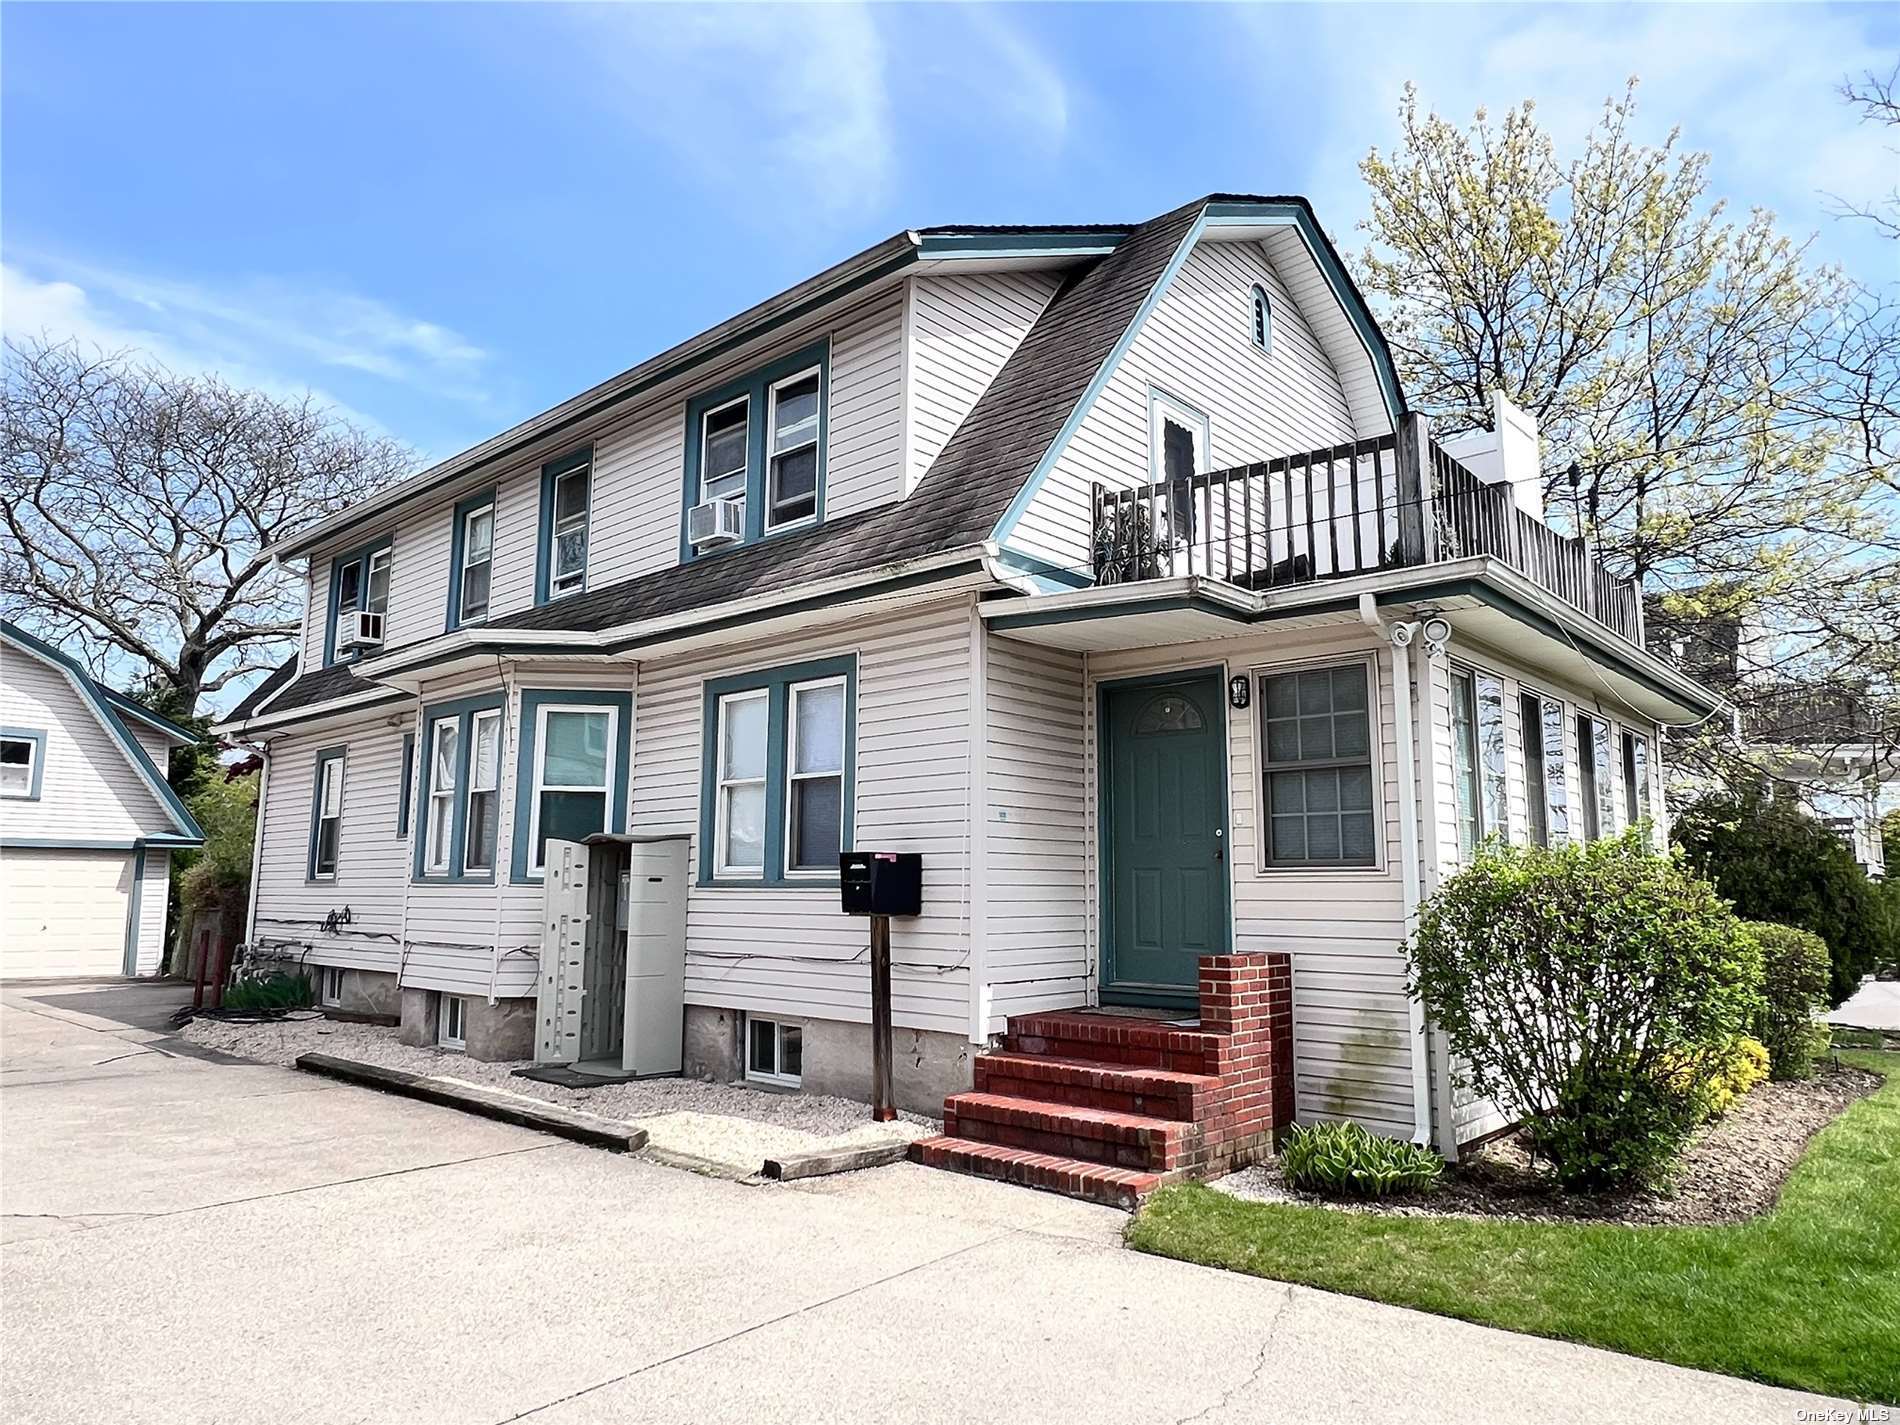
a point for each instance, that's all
(1317, 730)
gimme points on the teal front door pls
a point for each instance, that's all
(1164, 811)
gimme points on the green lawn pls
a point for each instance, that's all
(1808, 1296)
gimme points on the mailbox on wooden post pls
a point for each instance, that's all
(881, 884)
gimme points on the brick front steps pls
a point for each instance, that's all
(1108, 1107)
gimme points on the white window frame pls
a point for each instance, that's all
(556, 526)
(777, 1077)
(1163, 407)
(462, 615)
(26, 793)
(1487, 825)
(1636, 776)
(434, 864)
(330, 986)
(1260, 318)
(811, 373)
(1257, 730)
(721, 870)
(537, 866)
(476, 721)
(451, 1022)
(1601, 806)
(792, 774)
(325, 766)
(385, 558)
(1554, 837)
(745, 470)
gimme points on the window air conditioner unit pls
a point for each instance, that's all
(714, 523)
(360, 629)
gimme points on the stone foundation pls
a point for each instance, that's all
(502, 1032)
(369, 992)
(927, 1066)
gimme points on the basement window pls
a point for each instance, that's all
(330, 986)
(774, 1052)
(451, 1029)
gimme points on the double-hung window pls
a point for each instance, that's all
(445, 753)
(22, 763)
(575, 752)
(1477, 728)
(759, 443)
(1547, 798)
(359, 583)
(566, 506)
(1635, 777)
(460, 813)
(1593, 768)
(777, 784)
(326, 814)
(474, 543)
(483, 811)
(1317, 732)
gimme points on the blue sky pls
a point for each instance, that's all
(443, 218)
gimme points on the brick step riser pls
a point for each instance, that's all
(1047, 1178)
(1177, 1106)
(1156, 1155)
(1126, 1056)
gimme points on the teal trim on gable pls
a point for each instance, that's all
(189, 833)
(1042, 569)
(947, 247)
(337, 566)
(460, 711)
(463, 509)
(130, 964)
(776, 684)
(544, 537)
(521, 871)
(38, 738)
(755, 387)
(141, 713)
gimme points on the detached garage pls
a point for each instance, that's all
(87, 822)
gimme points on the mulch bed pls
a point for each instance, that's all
(1731, 1171)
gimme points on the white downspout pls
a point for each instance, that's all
(977, 820)
(257, 841)
(1400, 636)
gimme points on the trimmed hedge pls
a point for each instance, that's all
(1795, 971)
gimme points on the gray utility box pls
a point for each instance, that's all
(613, 955)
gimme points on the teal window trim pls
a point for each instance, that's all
(533, 700)
(37, 737)
(544, 546)
(463, 509)
(408, 785)
(325, 756)
(776, 683)
(756, 388)
(1260, 319)
(337, 566)
(461, 711)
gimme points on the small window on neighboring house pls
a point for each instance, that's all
(1477, 727)
(330, 986)
(775, 1051)
(445, 750)
(482, 815)
(724, 438)
(476, 543)
(1262, 319)
(1317, 729)
(566, 502)
(573, 776)
(791, 489)
(1546, 798)
(326, 819)
(21, 764)
(452, 1022)
(1635, 777)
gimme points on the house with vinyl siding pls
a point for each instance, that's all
(1104, 567)
(88, 824)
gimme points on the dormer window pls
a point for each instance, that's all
(1262, 319)
(473, 559)
(755, 455)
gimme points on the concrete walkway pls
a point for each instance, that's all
(188, 1240)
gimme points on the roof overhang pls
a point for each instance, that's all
(1486, 601)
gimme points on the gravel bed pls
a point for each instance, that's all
(733, 1126)
(1731, 1171)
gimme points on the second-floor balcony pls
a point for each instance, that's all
(1395, 502)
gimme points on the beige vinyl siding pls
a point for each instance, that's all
(962, 328)
(1196, 346)
(63, 913)
(1343, 928)
(1037, 831)
(89, 787)
(864, 438)
(371, 864)
(419, 579)
(153, 904)
(792, 950)
(316, 614)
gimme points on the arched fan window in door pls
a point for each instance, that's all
(1168, 712)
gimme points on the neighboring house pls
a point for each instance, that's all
(87, 822)
(1836, 750)
(1103, 566)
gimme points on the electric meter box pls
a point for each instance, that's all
(881, 882)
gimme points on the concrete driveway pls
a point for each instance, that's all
(1875, 1005)
(191, 1240)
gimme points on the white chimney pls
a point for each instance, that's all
(1509, 452)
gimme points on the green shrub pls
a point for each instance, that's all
(1569, 981)
(278, 989)
(1777, 863)
(1345, 1160)
(1795, 968)
(1720, 1078)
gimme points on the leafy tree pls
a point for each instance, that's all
(139, 511)
(226, 808)
(1720, 416)
(1777, 863)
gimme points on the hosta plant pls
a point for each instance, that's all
(1343, 1159)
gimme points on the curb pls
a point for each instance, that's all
(546, 1118)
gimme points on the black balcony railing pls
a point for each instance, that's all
(1397, 502)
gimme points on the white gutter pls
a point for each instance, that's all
(1400, 636)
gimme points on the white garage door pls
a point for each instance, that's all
(63, 912)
